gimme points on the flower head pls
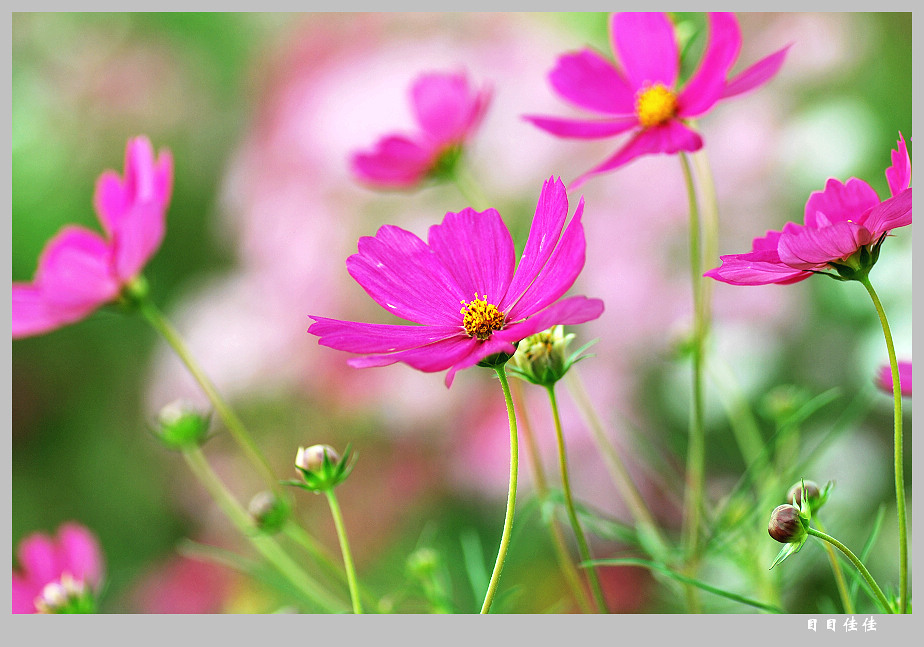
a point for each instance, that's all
(884, 378)
(468, 260)
(448, 111)
(642, 95)
(845, 225)
(54, 571)
(79, 270)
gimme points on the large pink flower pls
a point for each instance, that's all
(448, 111)
(73, 557)
(79, 270)
(884, 378)
(468, 259)
(642, 96)
(844, 227)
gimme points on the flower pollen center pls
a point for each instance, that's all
(655, 105)
(481, 318)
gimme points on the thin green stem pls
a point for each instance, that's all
(838, 573)
(227, 415)
(264, 544)
(696, 446)
(345, 549)
(463, 180)
(856, 562)
(899, 464)
(568, 570)
(511, 494)
(583, 548)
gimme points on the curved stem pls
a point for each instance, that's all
(345, 549)
(265, 545)
(838, 573)
(856, 562)
(899, 464)
(511, 494)
(583, 548)
(228, 417)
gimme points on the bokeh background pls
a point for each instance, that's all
(261, 113)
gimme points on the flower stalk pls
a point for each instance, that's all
(345, 549)
(856, 562)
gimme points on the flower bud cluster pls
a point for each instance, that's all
(789, 523)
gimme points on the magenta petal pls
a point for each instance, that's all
(590, 81)
(899, 174)
(756, 75)
(884, 378)
(812, 248)
(75, 270)
(446, 107)
(30, 314)
(840, 202)
(39, 559)
(477, 250)
(81, 553)
(437, 356)
(892, 213)
(584, 129)
(404, 276)
(706, 85)
(755, 268)
(24, 593)
(557, 276)
(484, 349)
(109, 200)
(645, 45)
(570, 311)
(394, 162)
(544, 232)
(355, 337)
(140, 235)
(140, 183)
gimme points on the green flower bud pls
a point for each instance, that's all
(268, 511)
(181, 425)
(313, 458)
(542, 358)
(816, 496)
(786, 524)
(321, 467)
(66, 595)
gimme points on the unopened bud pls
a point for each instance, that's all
(816, 495)
(321, 467)
(66, 595)
(786, 526)
(268, 511)
(181, 424)
(312, 458)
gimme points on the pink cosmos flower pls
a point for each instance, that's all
(448, 111)
(845, 226)
(642, 96)
(884, 378)
(468, 259)
(79, 270)
(73, 558)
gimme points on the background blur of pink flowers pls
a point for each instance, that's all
(262, 113)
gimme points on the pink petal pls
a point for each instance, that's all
(670, 138)
(544, 232)
(839, 202)
(571, 311)
(707, 83)
(645, 44)
(109, 200)
(139, 170)
(404, 276)
(756, 75)
(437, 356)
(446, 107)
(75, 270)
(813, 248)
(81, 553)
(756, 268)
(140, 235)
(884, 378)
(357, 337)
(584, 129)
(590, 81)
(485, 349)
(557, 276)
(24, 593)
(31, 315)
(39, 559)
(899, 174)
(892, 213)
(394, 162)
(477, 250)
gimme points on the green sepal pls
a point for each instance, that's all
(787, 550)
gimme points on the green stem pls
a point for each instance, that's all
(345, 549)
(463, 180)
(899, 464)
(583, 548)
(265, 545)
(558, 540)
(228, 417)
(838, 573)
(856, 562)
(511, 494)
(696, 446)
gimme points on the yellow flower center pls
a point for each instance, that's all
(481, 318)
(655, 105)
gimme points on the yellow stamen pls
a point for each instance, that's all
(655, 105)
(480, 317)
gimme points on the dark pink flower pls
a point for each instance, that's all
(642, 95)
(79, 270)
(74, 557)
(844, 227)
(884, 378)
(468, 259)
(448, 111)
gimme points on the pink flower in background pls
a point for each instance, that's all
(468, 259)
(448, 111)
(844, 227)
(642, 96)
(72, 558)
(79, 270)
(884, 378)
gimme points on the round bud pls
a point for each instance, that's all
(794, 496)
(312, 458)
(786, 525)
(268, 511)
(181, 424)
